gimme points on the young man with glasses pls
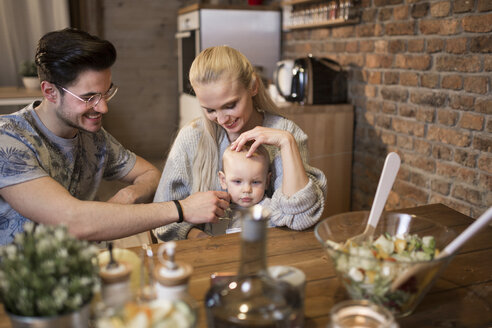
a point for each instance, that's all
(54, 153)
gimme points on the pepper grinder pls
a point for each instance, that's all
(171, 277)
(171, 285)
(115, 278)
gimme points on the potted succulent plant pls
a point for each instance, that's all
(29, 73)
(48, 278)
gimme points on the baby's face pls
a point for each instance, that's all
(246, 179)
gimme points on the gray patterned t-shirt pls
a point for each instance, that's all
(28, 150)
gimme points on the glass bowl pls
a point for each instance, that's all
(366, 277)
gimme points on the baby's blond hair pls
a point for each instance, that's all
(260, 153)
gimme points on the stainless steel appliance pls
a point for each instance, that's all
(254, 32)
(310, 80)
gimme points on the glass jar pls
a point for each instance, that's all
(360, 314)
(253, 298)
(293, 276)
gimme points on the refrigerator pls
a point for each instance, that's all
(254, 32)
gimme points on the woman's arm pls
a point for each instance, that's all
(300, 211)
(294, 174)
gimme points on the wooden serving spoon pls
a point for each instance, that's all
(388, 175)
(448, 250)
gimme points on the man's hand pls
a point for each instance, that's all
(203, 207)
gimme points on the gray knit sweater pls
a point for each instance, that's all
(300, 211)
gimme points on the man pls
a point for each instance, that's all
(54, 153)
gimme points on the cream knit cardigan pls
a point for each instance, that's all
(300, 211)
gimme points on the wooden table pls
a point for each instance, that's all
(461, 297)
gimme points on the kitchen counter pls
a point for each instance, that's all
(18, 96)
(330, 133)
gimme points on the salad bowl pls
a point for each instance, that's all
(400, 241)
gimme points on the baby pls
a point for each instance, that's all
(246, 180)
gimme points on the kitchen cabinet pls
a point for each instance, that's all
(300, 14)
(330, 133)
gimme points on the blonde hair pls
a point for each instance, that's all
(212, 65)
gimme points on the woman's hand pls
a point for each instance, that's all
(263, 135)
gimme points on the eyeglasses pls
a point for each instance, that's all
(93, 100)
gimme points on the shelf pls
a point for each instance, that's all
(18, 96)
(332, 22)
(297, 2)
(303, 14)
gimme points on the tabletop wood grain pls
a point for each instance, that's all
(461, 296)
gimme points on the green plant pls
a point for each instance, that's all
(28, 68)
(46, 272)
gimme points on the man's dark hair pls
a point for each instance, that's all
(62, 55)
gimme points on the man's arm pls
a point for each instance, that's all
(44, 200)
(143, 179)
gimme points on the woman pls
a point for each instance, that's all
(237, 109)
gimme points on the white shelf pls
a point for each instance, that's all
(332, 22)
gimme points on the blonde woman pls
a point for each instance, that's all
(236, 110)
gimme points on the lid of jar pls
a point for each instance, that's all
(290, 274)
(173, 277)
(169, 272)
(119, 273)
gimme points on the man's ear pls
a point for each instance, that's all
(50, 91)
(222, 179)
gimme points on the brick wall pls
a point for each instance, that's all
(420, 81)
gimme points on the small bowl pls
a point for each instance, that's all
(377, 274)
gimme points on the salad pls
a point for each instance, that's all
(368, 269)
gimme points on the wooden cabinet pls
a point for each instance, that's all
(330, 132)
